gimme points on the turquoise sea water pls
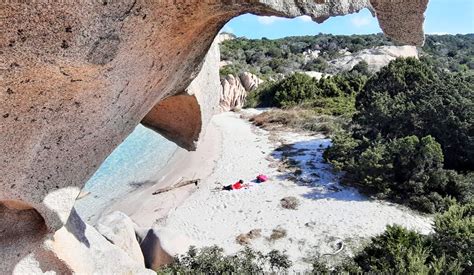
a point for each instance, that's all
(139, 157)
(137, 161)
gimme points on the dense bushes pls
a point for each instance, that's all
(412, 123)
(401, 251)
(212, 260)
(269, 57)
(407, 97)
(407, 170)
(330, 95)
(397, 250)
(447, 251)
(454, 237)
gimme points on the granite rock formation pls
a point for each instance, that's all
(235, 89)
(182, 118)
(78, 76)
(250, 81)
(376, 57)
(119, 229)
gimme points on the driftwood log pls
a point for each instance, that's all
(180, 183)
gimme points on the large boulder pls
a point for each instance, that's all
(250, 81)
(78, 76)
(75, 248)
(119, 229)
(160, 246)
(376, 57)
(233, 93)
(235, 90)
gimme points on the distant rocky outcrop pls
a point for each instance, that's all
(376, 57)
(316, 75)
(250, 81)
(223, 36)
(235, 89)
(78, 77)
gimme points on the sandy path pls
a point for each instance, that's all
(327, 213)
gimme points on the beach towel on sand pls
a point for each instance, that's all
(262, 178)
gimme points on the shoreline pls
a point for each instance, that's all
(146, 209)
(232, 149)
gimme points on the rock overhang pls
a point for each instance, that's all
(77, 77)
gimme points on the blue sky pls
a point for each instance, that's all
(442, 16)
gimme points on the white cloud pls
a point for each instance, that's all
(268, 20)
(438, 33)
(227, 29)
(361, 21)
(305, 18)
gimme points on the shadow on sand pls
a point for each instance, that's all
(302, 162)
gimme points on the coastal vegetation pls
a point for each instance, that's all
(213, 260)
(269, 59)
(397, 250)
(403, 134)
(411, 138)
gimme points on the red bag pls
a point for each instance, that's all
(262, 178)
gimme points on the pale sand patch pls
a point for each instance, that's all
(327, 212)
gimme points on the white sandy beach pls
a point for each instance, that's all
(233, 149)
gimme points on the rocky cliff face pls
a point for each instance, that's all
(235, 89)
(182, 118)
(77, 77)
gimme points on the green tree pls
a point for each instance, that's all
(407, 97)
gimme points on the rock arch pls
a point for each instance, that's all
(78, 76)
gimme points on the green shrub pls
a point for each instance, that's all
(212, 260)
(278, 261)
(330, 95)
(408, 97)
(407, 170)
(453, 240)
(319, 268)
(447, 251)
(412, 124)
(397, 251)
(294, 90)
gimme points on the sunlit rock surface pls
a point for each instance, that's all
(77, 77)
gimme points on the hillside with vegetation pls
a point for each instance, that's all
(403, 134)
(274, 58)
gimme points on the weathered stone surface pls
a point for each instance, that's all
(75, 248)
(235, 89)
(233, 93)
(119, 229)
(177, 118)
(182, 118)
(159, 246)
(155, 255)
(250, 81)
(376, 58)
(78, 76)
(402, 19)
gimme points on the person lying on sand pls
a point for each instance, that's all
(236, 186)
